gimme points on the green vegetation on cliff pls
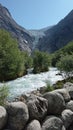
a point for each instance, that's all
(66, 50)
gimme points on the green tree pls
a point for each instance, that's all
(66, 65)
(41, 61)
(66, 50)
(11, 59)
(55, 58)
(28, 61)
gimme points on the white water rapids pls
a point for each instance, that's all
(31, 82)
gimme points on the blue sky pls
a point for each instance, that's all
(36, 14)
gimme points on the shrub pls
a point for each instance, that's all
(66, 65)
(4, 91)
(55, 58)
(66, 50)
(49, 87)
(59, 84)
(28, 61)
(41, 61)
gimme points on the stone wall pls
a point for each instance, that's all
(50, 111)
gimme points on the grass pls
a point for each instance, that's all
(58, 85)
(48, 87)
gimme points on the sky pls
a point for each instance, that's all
(37, 14)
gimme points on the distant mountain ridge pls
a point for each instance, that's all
(48, 39)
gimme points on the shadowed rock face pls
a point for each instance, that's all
(57, 36)
(21, 34)
(37, 107)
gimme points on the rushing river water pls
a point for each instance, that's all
(31, 82)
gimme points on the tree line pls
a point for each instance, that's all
(63, 59)
(14, 63)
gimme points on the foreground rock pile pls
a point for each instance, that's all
(50, 111)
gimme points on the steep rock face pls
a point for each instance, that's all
(57, 36)
(21, 34)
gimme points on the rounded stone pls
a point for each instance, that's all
(69, 105)
(34, 125)
(52, 123)
(64, 93)
(3, 117)
(17, 115)
(56, 103)
(69, 87)
(67, 117)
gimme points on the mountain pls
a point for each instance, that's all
(57, 36)
(37, 34)
(22, 35)
(48, 39)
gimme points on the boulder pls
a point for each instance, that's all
(69, 87)
(67, 117)
(63, 128)
(64, 93)
(56, 103)
(37, 107)
(34, 125)
(69, 105)
(52, 123)
(17, 115)
(3, 117)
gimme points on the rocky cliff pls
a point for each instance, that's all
(21, 34)
(57, 36)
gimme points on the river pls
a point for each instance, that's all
(31, 82)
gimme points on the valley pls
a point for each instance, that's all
(36, 71)
(48, 39)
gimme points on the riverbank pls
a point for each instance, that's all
(32, 82)
(51, 110)
(48, 88)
